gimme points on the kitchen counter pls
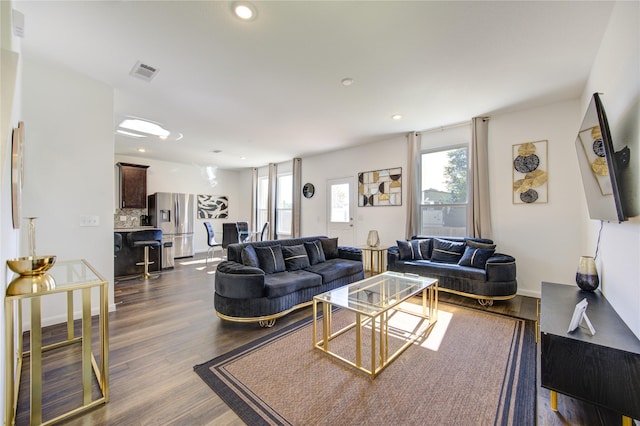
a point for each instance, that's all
(129, 260)
(140, 228)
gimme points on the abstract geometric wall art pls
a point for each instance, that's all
(530, 173)
(380, 188)
(213, 207)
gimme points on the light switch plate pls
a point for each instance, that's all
(89, 220)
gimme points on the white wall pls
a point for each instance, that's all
(546, 239)
(616, 75)
(163, 176)
(389, 221)
(10, 114)
(68, 166)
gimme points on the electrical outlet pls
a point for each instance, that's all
(89, 220)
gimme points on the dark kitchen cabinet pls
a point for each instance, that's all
(133, 186)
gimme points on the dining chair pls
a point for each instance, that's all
(230, 234)
(212, 243)
(243, 231)
(263, 233)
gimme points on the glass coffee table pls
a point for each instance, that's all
(376, 303)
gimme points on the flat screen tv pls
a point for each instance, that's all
(600, 165)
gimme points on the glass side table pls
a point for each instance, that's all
(64, 277)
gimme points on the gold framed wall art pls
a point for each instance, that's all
(380, 188)
(530, 173)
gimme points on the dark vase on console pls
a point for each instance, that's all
(587, 275)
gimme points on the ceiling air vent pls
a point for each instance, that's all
(144, 71)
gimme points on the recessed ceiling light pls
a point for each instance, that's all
(142, 150)
(396, 116)
(347, 81)
(130, 134)
(244, 10)
(144, 126)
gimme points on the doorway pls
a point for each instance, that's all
(341, 205)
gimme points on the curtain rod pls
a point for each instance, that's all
(447, 127)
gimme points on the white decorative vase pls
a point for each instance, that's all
(373, 240)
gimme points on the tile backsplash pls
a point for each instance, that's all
(128, 218)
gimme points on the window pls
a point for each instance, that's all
(340, 203)
(284, 203)
(444, 192)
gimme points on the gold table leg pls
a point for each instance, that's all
(36, 362)
(86, 345)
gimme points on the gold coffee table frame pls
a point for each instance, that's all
(64, 277)
(389, 289)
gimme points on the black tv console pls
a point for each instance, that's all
(602, 369)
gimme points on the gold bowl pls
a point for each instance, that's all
(31, 265)
(29, 284)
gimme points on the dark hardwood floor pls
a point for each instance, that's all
(162, 328)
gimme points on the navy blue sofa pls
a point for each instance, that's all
(264, 280)
(465, 266)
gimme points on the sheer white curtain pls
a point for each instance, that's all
(254, 198)
(479, 210)
(412, 181)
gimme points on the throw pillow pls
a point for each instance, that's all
(295, 257)
(270, 259)
(481, 244)
(447, 251)
(315, 252)
(425, 248)
(250, 257)
(330, 247)
(476, 257)
(409, 250)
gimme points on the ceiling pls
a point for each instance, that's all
(245, 94)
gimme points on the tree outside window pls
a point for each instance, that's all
(444, 192)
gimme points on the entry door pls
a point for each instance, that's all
(341, 202)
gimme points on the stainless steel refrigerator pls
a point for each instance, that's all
(174, 214)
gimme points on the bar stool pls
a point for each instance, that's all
(117, 243)
(146, 239)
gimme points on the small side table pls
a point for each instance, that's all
(64, 277)
(374, 259)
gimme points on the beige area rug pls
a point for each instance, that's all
(473, 368)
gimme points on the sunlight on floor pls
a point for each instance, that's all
(404, 322)
(204, 264)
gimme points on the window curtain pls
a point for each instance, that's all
(479, 210)
(297, 197)
(254, 199)
(271, 204)
(413, 184)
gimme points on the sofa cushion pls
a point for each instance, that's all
(295, 257)
(409, 250)
(447, 251)
(475, 257)
(283, 283)
(426, 247)
(334, 269)
(330, 247)
(480, 244)
(270, 259)
(250, 257)
(315, 252)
